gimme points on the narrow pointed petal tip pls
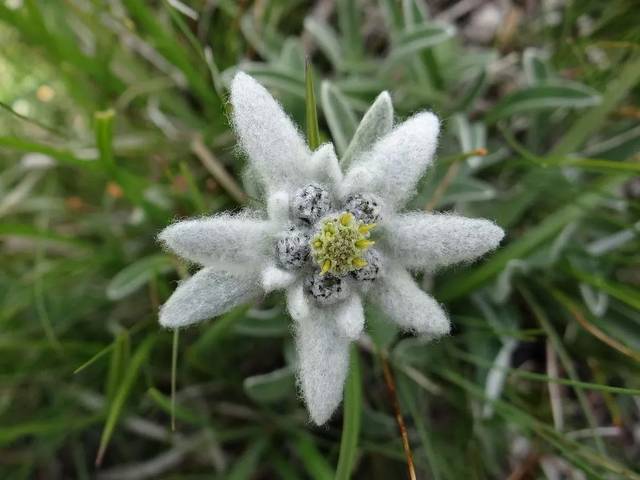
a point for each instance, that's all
(350, 317)
(231, 242)
(396, 162)
(205, 295)
(323, 355)
(406, 304)
(424, 241)
(273, 144)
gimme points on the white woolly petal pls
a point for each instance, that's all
(274, 145)
(207, 294)
(350, 317)
(402, 300)
(392, 168)
(278, 207)
(297, 302)
(324, 165)
(428, 241)
(229, 242)
(323, 356)
(274, 278)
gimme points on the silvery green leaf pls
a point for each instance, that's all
(596, 301)
(137, 274)
(271, 387)
(471, 136)
(497, 375)
(536, 67)
(339, 115)
(413, 351)
(375, 123)
(419, 38)
(326, 39)
(545, 96)
(272, 77)
(468, 189)
(292, 56)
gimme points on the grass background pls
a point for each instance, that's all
(114, 121)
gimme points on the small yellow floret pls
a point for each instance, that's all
(326, 266)
(337, 246)
(346, 218)
(364, 243)
(359, 262)
(366, 228)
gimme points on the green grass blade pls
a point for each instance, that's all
(104, 139)
(313, 460)
(124, 389)
(591, 121)
(462, 284)
(94, 359)
(565, 359)
(174, 368)
(63, 156)
(313, 131)
(352, 412)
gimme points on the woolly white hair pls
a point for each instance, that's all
(207, 294)
(424, 241)
(402, 300)
(392, 168)
(273, 144)
(238, 251)
(323, 354)
(228, 242)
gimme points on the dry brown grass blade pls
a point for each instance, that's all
(450, 176)
(211, 163)
(591, 328)
(391, 387)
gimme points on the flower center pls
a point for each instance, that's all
(339, 245)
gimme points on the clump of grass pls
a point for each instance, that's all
(113, 122)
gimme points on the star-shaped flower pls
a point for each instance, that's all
(330, 240)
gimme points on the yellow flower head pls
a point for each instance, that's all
(339, 245)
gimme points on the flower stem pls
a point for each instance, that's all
(174, 367)
(351, 419)
(391, 387)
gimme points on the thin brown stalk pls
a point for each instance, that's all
(524, 470)
(211, 163)
(555, 390)
(391, 387)
(453, 170)
(592, 329)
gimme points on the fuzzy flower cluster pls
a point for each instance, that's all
(330, 239)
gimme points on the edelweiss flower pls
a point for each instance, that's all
(329, 240)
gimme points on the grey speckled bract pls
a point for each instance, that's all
(365, 207)
(371, 271)
(310, 203)
(292, 250)
(327, 289)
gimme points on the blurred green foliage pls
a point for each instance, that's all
(113, 122)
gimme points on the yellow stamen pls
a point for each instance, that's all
(364, 244)
(317, 244)
(366, 227)
(326, 266)
(359, 262)
(346, 218)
